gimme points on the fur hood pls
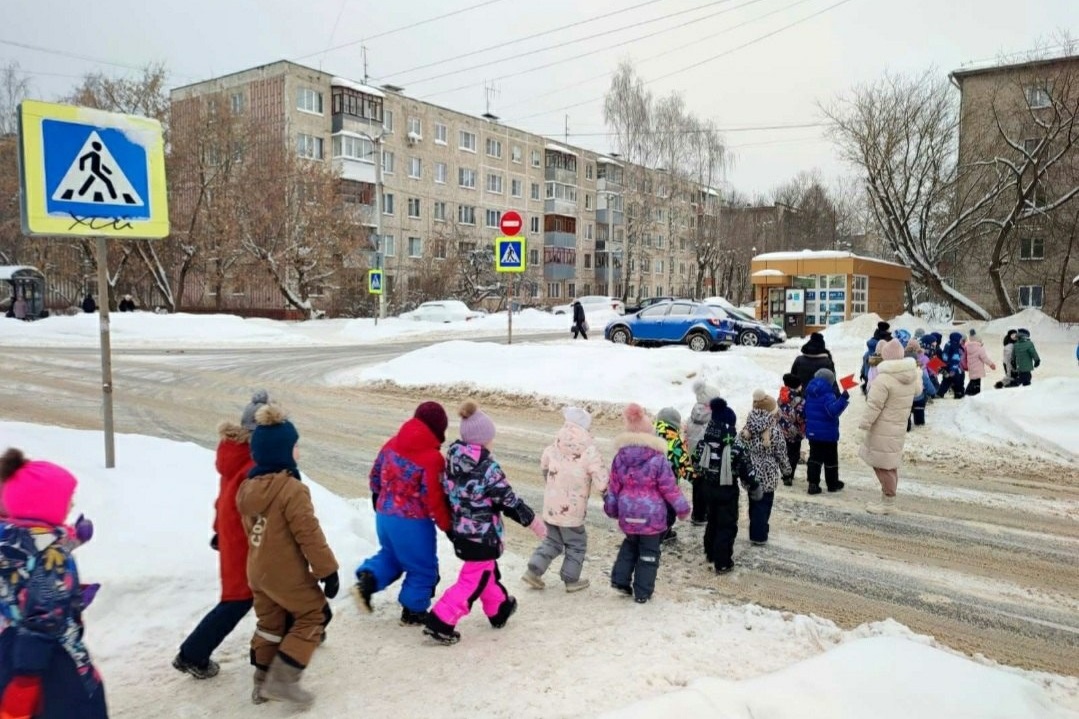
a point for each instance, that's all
(233, 432)
(904, 369)
(638, 439)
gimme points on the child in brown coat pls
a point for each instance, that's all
(287, 560)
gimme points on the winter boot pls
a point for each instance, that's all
(885, 506)
(282, 684)
(670, 536)
(814, 489)
(505, 611)
(363, 590)
(256, 691)
(410, 618)
(725, 569)
(440, 631)
(577, 586)
(622, 589)
(199, 672)
(533, 580)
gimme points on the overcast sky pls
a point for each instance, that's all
(774, 80)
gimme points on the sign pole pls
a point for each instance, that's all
(106, 349)
(509, 306)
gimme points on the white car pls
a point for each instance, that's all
(442, 311)
(593, 303)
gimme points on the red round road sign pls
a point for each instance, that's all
(510, 224)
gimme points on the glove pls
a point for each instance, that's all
(213, 543)
(22, 698)
(331, 585)
(757, 493)
(538, 528)
(84, 529)
(1037, 363)
(374, 501)
(88, 592)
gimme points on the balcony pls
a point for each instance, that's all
(355, 170)
(605, 184)
(560, 239)
(351, 123)
(558, 174)
(560, 207)
(612, 217)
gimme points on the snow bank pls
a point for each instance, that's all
(1042, 327)
(598, 373)
(883, 678)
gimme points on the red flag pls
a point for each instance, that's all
(848, 382)
(936, 365)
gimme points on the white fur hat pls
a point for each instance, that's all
(577, 416)
(704, 392)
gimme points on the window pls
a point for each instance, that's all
(588, 202)
(588, 233)
(533, 257)
(646, 264)
(466, 177)
(659, 270)
(1030, 296)
(494, 217)
(1030, 146)
(389, 161)
(309, 146)
(587, 261)
(440, 173)
(1032, 248)
(859, 296)
(236, 102)
(414, 207)
(535, 191)
(494, 147)
(1038, 97)
(415, 247)
(535, 224)
(659, 289)
(494, 183)
(554, 290)
(466, 214)
(354, 148)
(440, 211)
(387, 121)
(657, 311)
(387, 203)
(517, 188)
(389, 246)
(571, 289)
(440, 249)
(440, 134)
(515, 154)
(309, 100)
(415, 167)
(588, 171)
(559, 191)
(681, 310)
(415, 128)
(535, 158)
(467, 141)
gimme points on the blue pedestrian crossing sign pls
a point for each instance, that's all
(510, 254)
(86, 173)
(374, 282)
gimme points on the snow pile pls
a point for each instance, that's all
(1042, 327)
(883, 678)
(852, 334)
(566, 371)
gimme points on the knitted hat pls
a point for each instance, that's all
(1023, 332)
(434, 416)
(669, 415)
(703, 391)
(636, 419)
(825, 373)
(273, 442)
(476, 427)
(39, 491)
(892, 350)
(955, 336)
(972, 332)
(815, 345)
(761, 400)
(903, 336)
(259, 398)
(577, 416)
(721, 413)
(883, 327)
(919, 333)
(792, 381)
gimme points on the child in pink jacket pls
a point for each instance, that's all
(977, 359)
(572, 468)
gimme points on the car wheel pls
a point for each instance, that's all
(699, 342)
(748, 338)
(620, 336)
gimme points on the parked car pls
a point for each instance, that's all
(592, 303)
(647, 302)
(442, 311)
(687, 322)
(751, 331)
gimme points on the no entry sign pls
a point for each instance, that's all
(511, 224)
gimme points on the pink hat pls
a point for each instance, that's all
(892, 350)
(636, 419)
(40, 491)
(476, 427)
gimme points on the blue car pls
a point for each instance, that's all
(695, 324)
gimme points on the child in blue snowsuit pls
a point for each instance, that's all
(952, 356)
(823, 408)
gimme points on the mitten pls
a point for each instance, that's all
(374, 501)
(538, 528)
(84, 529)
(22, 698)
(757, 492)
(331, 585)
(1037, 363)
(213, 543)
(88, 592)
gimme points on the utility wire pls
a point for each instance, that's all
(695, 131)
(65, 53)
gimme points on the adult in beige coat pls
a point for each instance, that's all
(888, 407)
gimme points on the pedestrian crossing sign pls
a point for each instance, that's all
(510, 254)
(374, 282)
(88, 173)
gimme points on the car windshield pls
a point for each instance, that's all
(735, 313)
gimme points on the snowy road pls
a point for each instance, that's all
(983, 558)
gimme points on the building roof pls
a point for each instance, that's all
(963, 73)
(558, 148)
(818, 255)
(357, 86)
(227, 75)
(8, 271)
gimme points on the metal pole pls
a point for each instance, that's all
(610, 247)
(376, 143)
(106, 349)
(509, 314)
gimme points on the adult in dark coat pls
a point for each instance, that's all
(814, 356)
(580, 323)
(88, 304)
(127, 304)
(883, 332)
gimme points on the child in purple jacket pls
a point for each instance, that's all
(641, 486)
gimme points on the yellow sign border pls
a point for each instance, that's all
(370, 275)
(37, 220)
(499, 241)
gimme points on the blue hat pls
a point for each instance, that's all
(273, 442)
(903, 336)
(721, 413)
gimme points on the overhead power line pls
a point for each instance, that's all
(65, 53)
(696, 130)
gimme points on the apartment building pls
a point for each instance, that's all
(447, 178)
(1031, 101)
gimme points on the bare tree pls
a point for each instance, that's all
(14, 88)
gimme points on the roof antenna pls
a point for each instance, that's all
(489, 91)
(363, 51)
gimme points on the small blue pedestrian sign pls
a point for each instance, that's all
(374, 282)
(510, 254)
